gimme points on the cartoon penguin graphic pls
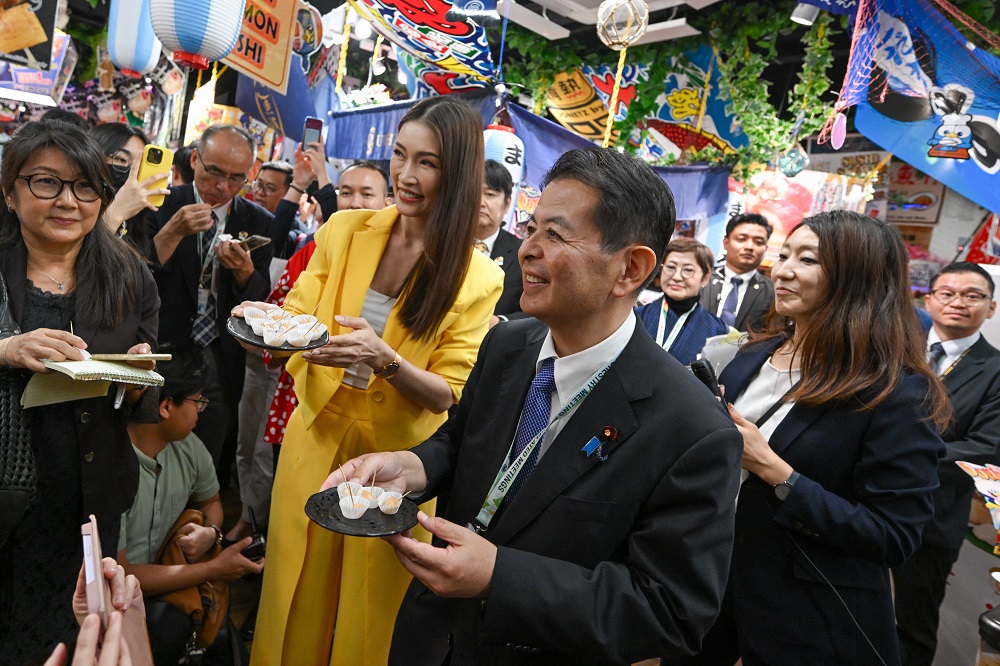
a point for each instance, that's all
(953, 138)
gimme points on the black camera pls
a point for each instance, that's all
(154, 156)
(255, 551)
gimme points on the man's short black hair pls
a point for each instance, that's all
(636, 207)
(498, 178)
(182, 162)
(63, 116)
(966, 267)
(748, 218)
(368, 164)
(184, 375)
(280, 167)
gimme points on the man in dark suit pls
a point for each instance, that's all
(603, 537)
(494, 242)
(201, 275)
(961, 299)
(738, 293)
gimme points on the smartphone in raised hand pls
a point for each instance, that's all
(312, 132)
(156, 160)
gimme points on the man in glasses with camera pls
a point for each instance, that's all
(201, 276)
(961, 300)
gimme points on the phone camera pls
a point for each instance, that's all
(155, 156)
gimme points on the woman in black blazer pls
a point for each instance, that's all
(837, 408)
(72, 286)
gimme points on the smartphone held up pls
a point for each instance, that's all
(156, 161)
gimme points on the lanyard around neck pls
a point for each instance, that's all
(675, 331)
(508, 472)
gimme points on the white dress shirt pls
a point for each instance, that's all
(574, 371)
(953, 349)
(727, 285)
(489, 243)
(765, 389)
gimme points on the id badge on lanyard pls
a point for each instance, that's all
(203, 294)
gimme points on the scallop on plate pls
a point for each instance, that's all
(278, 330)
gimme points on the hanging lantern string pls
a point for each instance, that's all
(613, 106)
(503, 38)
(375, 57)
(197, 83)
(342, 64)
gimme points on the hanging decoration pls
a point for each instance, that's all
(197, 31)
(619, 24)
(426, 80)
(504, 146)
(132, 45)
(575, 105)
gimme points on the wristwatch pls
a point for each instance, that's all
(390, 368)
(783, 489)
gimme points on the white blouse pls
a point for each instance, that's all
(375, 310)
(766, 388)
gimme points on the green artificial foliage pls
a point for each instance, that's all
(88, 41)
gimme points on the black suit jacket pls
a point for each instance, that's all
(505, 254)
(598, 562)
(109, 468)
(973, 435)
(177, 280)
(756, 303)
(864, 494)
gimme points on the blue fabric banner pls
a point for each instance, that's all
(285, 114)
(369, 133)
(700, 192)
(930, 97)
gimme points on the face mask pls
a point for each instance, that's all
(119, 174)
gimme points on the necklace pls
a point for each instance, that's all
(59, 285)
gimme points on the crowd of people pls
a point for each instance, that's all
(584, 498)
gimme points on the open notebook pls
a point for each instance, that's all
(75, 380)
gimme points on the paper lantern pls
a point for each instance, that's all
(132, 45)
(506, 148)
(621, 22)
(197, 31)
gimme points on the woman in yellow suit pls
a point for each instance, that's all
(413, 301)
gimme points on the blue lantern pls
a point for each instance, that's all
(197, 31)
(132, 45)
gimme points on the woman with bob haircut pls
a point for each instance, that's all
(677, 321)
(408, 303)
(72, 286)
(837, 407)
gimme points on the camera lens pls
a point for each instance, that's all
(155, 155)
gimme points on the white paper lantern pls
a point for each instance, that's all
(197, 31)
(621, 22)
(506, 148)
(132, 44)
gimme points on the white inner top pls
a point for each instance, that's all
(375, 310)
(764, 390)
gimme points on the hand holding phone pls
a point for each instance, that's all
(312, 132)
(156, 161)
(251, 243)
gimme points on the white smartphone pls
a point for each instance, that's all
(312, 132)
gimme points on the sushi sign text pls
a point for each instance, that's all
(264, 48)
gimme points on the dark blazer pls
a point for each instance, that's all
(109, 468)
(864, 495)
(700, 326)
(973, 435)
(598, 562)
(177, 280)
(505, 255)
(756, 303)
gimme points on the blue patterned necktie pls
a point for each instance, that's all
(728, 315)
(934, 357)
(203, 332)
(534, 419)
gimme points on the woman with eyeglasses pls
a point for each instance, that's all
(677, 321)
(72, 287)
(837, 407)
(408, 302)
(126, 215)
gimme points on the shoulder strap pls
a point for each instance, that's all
(777, 405)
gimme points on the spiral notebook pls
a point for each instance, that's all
(76, 380)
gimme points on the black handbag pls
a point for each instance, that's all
(17, 460)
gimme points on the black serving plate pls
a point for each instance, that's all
(240, 329)
(324, 510)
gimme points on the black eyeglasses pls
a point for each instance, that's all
(946, 296)
(261, 188)
(44, 186)
(687, 272)
(202, 403)
(120, 159)
(218, 174)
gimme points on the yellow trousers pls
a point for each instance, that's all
(316, 580)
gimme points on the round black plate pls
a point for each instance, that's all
(240, 329)
(324, 510)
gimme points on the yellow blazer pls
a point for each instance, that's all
(348, 250)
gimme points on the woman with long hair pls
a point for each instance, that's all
(408, 302)
(72, 287)
(837, 407)
(126, 215)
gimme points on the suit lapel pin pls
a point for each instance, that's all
(756, 286)
(498, 261)
(596, 445)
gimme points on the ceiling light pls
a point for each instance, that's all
(532, 21)
(805, 14)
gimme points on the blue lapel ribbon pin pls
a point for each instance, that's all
(596, 445)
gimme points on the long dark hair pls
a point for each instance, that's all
(434, 283)
(109, 266)
(864, 334)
